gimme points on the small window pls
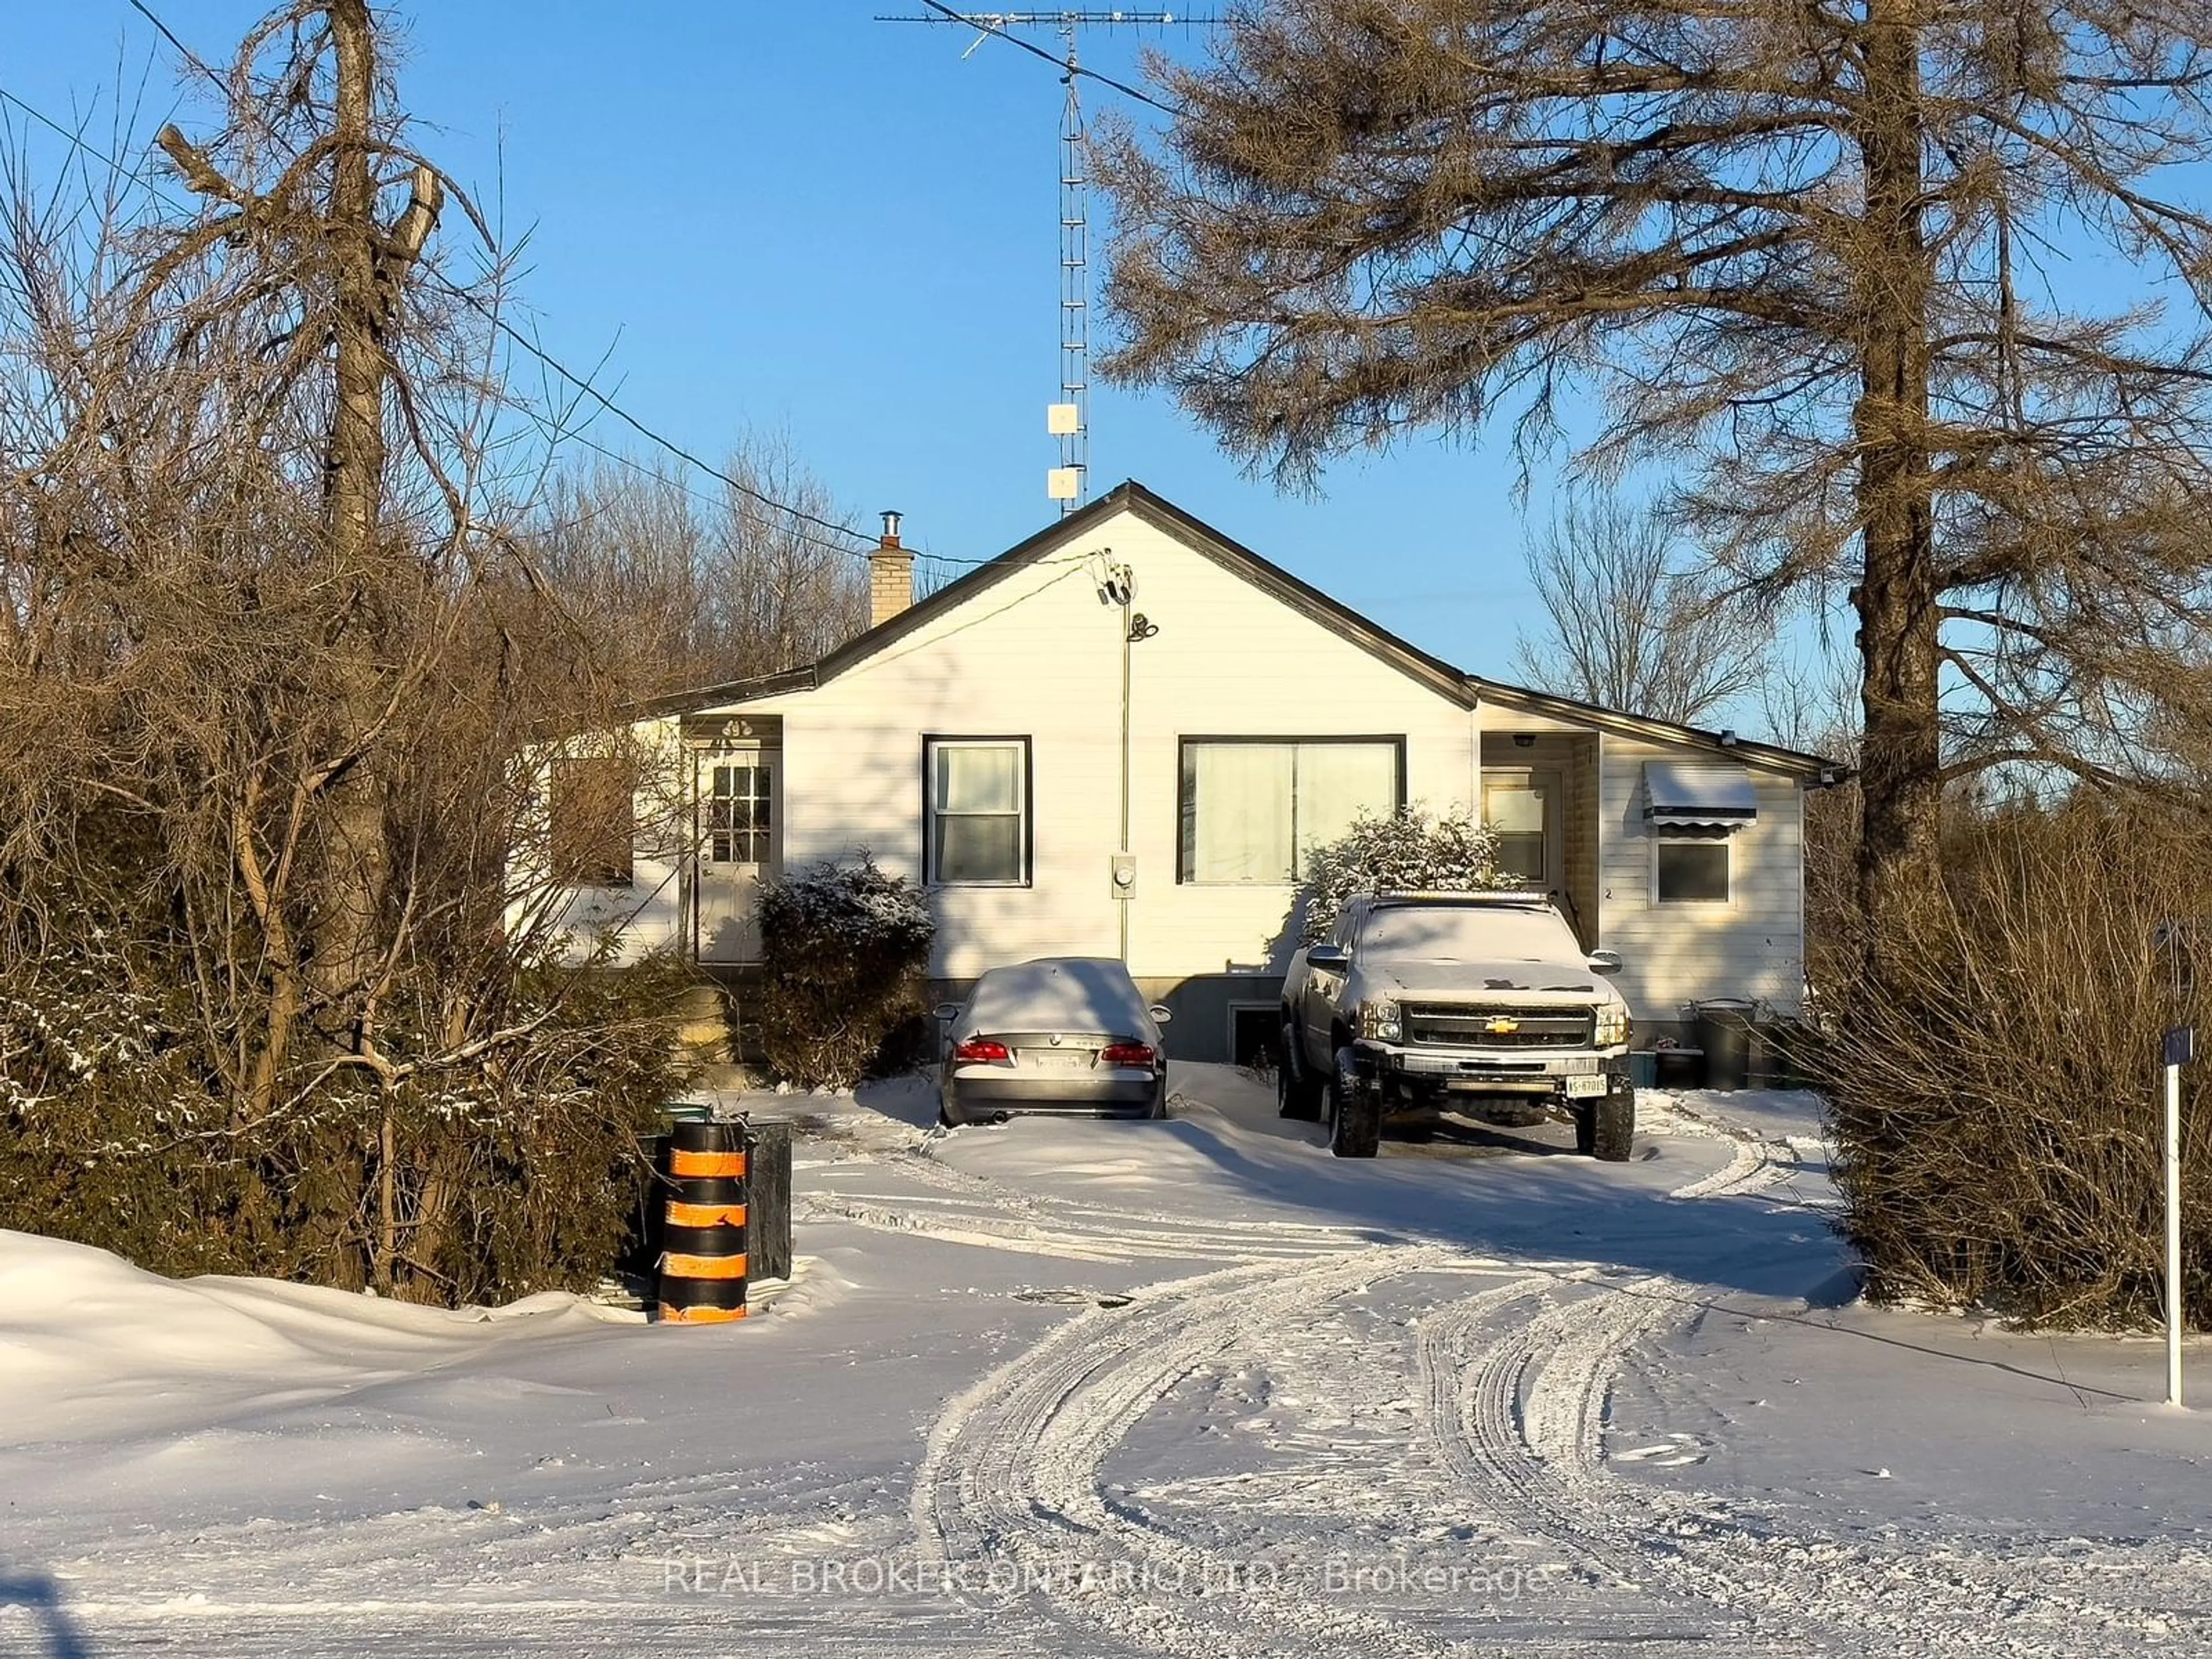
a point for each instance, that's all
(1692, 870)
(737, 806)
(594, 821)
(1254, 809)
(977, 810)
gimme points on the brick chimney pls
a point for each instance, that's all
(890, 576)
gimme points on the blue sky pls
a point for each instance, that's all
(788, 216)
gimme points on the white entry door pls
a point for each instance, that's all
(738, 843)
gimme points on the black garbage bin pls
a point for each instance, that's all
(1723, 1028)
(768, 1196)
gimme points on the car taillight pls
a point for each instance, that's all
(976, 1050)
(1127, 1054)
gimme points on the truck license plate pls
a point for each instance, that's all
(1580, 1088)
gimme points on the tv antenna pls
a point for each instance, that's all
(1069, 419)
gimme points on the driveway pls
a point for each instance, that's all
(1183, 1387)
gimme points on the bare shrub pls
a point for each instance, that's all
(1993, 1086)
(844, 950)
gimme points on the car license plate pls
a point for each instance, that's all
(1580, 1088)
(1058, 1059)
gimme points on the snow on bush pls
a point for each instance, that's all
(844, 949)
(516, 1173)
(1412, 851)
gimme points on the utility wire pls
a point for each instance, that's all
(514, 335)
(100, 156)
(192, 60)
(986, 26)
(583, 385)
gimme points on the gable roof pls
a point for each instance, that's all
(1438, 676)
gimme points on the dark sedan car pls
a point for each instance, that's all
(1065, 1034)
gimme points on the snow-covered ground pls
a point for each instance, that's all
(1099, 1389)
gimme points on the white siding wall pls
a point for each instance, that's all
(1037, 655)
(649, 914)
(1753, 946)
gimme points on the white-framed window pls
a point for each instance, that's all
(738, 805)
(1252, 809)
(1519, 809)
(976, 811)
(1690, 867)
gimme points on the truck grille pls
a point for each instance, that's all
(1478, 1028)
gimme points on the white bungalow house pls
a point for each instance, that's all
(1120, 737)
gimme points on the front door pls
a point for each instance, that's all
(738, 842)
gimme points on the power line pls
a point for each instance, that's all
(97, 154)
(192, 60)
(518, 338)
(585, 385)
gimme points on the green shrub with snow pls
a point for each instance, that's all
(1412, 851)
(509, 1172)
(844, 951)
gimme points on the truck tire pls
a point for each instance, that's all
(1297, 1093)
(1604, 1127)
(1355, 1115)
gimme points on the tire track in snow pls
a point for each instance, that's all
(1520, 1415)
(977, 1210)
(1756, 1165)
(1012, 1472)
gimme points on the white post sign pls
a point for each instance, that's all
(2181, 1049)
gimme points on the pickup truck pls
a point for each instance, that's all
(1418, 999)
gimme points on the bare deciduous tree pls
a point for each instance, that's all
(676, 590)
(270, 686)
(1822, 251)
(1630, 626)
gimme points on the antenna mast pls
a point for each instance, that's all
(1069, 419)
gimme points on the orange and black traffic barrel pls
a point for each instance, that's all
(702, 1245)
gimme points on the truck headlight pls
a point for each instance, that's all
(1378, 1020)
(1614, 1026)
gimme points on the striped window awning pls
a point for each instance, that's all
(1682, 795)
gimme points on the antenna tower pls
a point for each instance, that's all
(1069, 419)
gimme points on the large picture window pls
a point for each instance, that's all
(976, 805)
(594, 821)
(1253, 809)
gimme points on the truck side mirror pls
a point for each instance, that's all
(1333, 957)
(1605, 962)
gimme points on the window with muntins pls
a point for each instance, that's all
(737, 808)
(1253, 810)
(977, 809)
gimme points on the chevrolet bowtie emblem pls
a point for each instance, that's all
(1503, 1025)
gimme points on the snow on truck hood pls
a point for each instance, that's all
(1481, 981)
